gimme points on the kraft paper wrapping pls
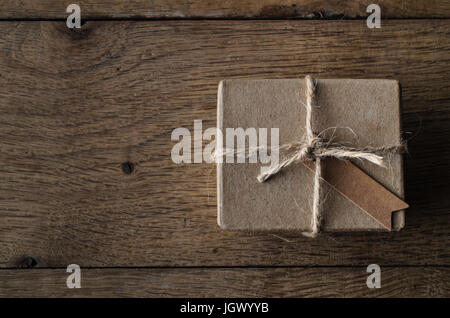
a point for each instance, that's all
(365, 112)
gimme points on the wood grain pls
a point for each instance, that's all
(77, 104)
(326, 9)
(232, 282)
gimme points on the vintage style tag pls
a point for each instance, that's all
(354, 113)
(359, 188)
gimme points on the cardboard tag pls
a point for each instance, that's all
(360, 189)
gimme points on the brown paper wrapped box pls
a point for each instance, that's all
(366, 114)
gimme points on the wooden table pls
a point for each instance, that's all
(85, 170)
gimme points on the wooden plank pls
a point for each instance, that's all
(327, 9)
(232, 282)
(75, 105)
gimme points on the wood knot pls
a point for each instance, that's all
(127, 167)
(27, 262)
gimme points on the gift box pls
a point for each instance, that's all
(349, 113)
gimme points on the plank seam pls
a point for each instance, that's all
(230, 267)
(100, 18)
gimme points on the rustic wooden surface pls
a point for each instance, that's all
(76, 105)
(317, 9)
(83, 108)
(228, 282)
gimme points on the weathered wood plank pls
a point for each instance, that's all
(219, 282)
(328, 9)
(75, 105)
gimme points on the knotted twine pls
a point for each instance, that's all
(315, 148)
